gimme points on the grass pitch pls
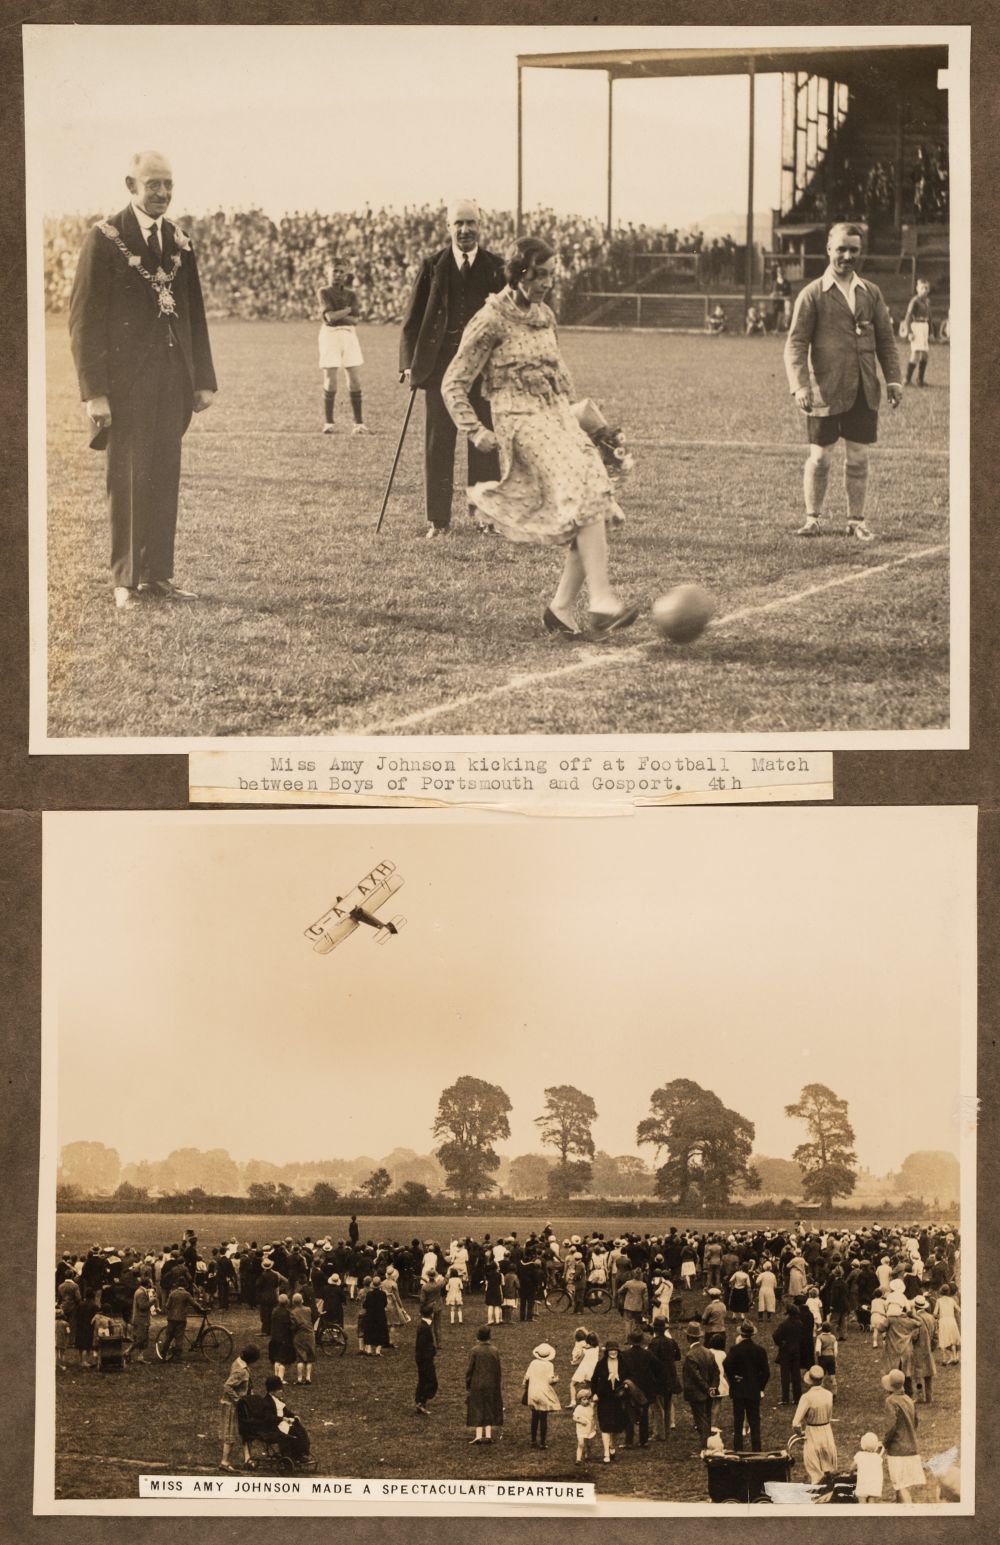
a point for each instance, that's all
(310, 624)
(359, 1410)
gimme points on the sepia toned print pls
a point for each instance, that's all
(729, 573)
(551, 1190)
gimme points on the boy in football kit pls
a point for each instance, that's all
(339, 348)
(917, 327)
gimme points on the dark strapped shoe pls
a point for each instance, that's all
(166, 590)
(556, 626)
(602, 625)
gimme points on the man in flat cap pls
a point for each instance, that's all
(140, 346)
(449, 289)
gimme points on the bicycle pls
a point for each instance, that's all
(331, 1337)
(596, 1299)
(212, 1342)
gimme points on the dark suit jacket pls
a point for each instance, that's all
(835, 350)
(114, 319)
(425, 1349)
(426, 319)
(747, 1369)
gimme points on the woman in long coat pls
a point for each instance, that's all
(901, 1330)
(493, 1294)
(611, 1395)
(395, 1314)
(924, 1366)
(84, 1335)
(539, 1392)
(142, 1301)
(484, 1400)
(303, 1339)
(376, 1323)
(280, 1347)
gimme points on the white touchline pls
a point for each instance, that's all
(595, 658)
(792, 446)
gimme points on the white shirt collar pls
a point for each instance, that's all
(459, 255)
(146, 222)
(856, 283)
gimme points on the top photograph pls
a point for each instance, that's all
(410, 385)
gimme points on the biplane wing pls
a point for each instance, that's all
(358, 906)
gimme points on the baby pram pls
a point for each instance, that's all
(284, 1445)
(110, 1343)
(742, 1477)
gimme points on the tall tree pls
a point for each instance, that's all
(379, 1182)
(565, 1125)
(93, 1167)
(529, 1175)
(471, 1117)
(931, 1174)
(707, 1146)
(828, 1162)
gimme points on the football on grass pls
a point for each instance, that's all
(683, 613)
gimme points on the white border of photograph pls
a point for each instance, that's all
(949, 832)
(395, 734)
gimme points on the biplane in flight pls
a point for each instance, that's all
(359, 906)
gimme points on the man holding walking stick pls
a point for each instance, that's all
(450, 288)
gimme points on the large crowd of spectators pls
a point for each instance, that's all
(253, 266)
(690, 1303)
(868, 193)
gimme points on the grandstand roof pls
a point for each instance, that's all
(842, 64)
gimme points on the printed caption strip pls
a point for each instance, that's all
(552, 782)
(309, 1488)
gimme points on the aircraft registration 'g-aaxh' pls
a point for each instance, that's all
(359, 906)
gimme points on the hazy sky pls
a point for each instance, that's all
(334, 117)
(754, 951)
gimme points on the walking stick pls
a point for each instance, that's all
(395, 460)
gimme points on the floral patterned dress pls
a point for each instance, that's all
(552, 477)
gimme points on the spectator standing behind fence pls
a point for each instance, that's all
(450, 288)
(142, 355)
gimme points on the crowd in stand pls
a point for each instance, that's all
(253, 266)
(845, 191)
(681, 1296)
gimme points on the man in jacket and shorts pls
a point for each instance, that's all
(841, 330)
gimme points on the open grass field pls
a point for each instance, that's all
(359, 1410)
(77, 1231)
(310, 624)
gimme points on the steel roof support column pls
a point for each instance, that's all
(611, 90)
(748, 267)
(520, 152)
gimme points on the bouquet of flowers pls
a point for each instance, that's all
(609, 440)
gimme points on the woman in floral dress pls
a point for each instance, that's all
(553, 488)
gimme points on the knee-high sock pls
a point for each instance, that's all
(814, 481)
(329, 398)
(356, 407)
(856, 485)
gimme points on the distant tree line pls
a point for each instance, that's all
(702, 1153)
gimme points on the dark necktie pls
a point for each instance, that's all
(153, 243)
(464, 273)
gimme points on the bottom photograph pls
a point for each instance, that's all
(632, 1174)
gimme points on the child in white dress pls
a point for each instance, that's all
(868, 1469)
(585, 1422)
(453, 1295)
